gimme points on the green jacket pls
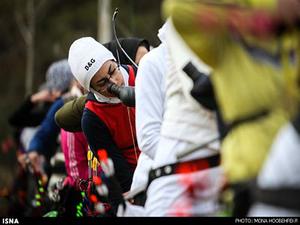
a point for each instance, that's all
(69, 116)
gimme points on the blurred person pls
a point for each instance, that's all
(44, 154)
(26, 120)
(28, 116)
(74, 146)
(33, 110)
(251, 50)
(106, 122)
(43, 144)
(65, 191)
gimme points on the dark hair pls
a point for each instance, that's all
(130, 45)
(145, 43)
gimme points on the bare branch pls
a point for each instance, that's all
(31, 20)
(43, 7)
(40, 8)
(22, 26)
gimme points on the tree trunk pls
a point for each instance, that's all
(29, 40)
(104, 21)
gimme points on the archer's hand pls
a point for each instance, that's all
(45, 96)
(35, 160)
(22, 160)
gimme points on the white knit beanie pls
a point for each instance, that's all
(86, 56)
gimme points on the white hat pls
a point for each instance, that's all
(86, 56)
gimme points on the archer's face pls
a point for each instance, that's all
(108, 73)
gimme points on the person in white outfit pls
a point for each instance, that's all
(150, 91)
(150, 96)
(190, 188)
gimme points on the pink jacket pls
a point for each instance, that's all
(74, 146)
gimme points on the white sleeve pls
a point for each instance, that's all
(131, 211)
(149, 101)
(282, 168)
(140, 176)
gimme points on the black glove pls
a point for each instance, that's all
(125, 93)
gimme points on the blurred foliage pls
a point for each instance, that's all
(58, 24)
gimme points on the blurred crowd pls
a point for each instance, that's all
(205, 124)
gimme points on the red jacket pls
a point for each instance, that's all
(120, 121)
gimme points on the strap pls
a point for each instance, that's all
(296, 123)
(139, 195)
(89, 105)
(283, 197)
(131, 72)
(185, 167)
(248, 119)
